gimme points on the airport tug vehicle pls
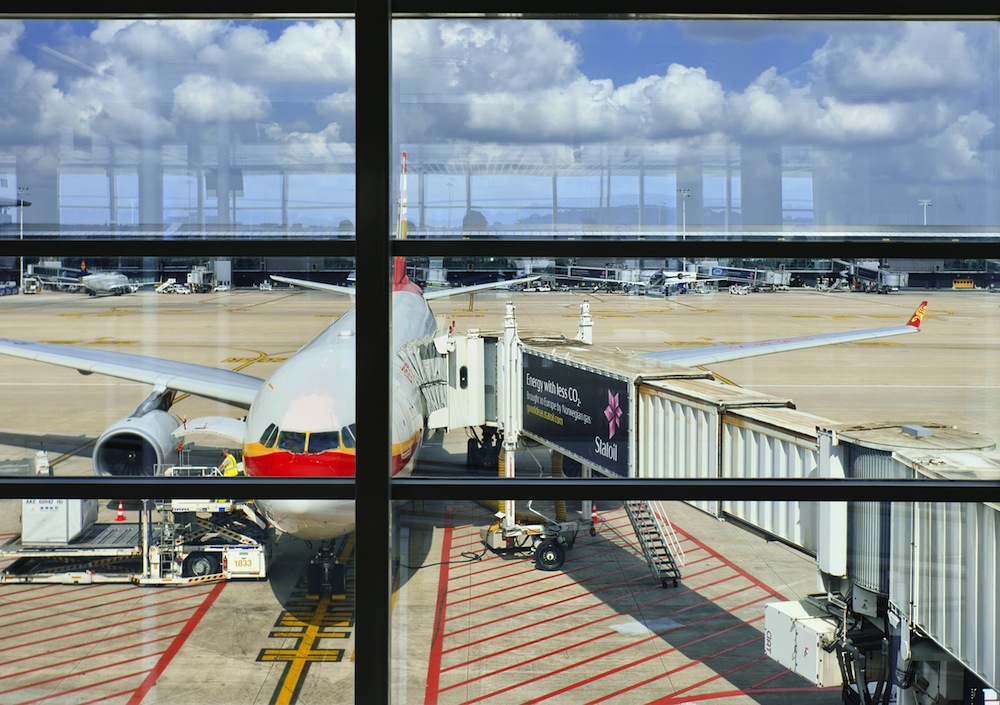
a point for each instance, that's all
(547, 542)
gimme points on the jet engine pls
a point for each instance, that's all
(136, 444)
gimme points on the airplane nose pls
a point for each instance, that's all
(284, 464)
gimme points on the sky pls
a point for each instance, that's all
(866, 118)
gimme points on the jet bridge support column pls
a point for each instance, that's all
(512, 406)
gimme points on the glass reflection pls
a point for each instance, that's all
(178, 128)
(681, 129)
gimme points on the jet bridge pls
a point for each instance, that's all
(881, 566)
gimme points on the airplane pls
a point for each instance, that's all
(659, 278)
(113, 283)
(90, 283)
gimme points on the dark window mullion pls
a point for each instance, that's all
(372, 482)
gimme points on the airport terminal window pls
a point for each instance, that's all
(515, 171)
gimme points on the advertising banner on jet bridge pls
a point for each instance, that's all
(583, 413)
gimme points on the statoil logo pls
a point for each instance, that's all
(613, 413)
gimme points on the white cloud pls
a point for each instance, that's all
(443, 59)
(315, 54)
(204, 99)
(898, 59)
(958, 148)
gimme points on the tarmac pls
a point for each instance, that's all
(469, 626)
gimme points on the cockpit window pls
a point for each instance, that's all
(292, 441)
(268, 437)
(349, 436)
(320, 441)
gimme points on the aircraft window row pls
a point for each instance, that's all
(316, 441)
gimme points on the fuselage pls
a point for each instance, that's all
(106, 283)
(303, 420)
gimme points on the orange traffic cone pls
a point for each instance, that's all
(121, 512)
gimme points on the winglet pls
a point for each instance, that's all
(917, 316)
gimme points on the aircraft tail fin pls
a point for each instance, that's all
(918, 316)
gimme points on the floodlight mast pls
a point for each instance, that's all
(22, 191)
(925, 202)
(685, 193)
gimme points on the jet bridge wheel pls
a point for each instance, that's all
(549, 555)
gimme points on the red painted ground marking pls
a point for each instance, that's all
(68, 635)
(78, 674)
(86, 644)
(653, 679)
(434, 688)
(620, 649)
(672, 698)
(759, 684)
(583, 625)
(94, 654)
(82, 609)
(549, 620)
(600, 604)
(59, 696)
(108, 698)
(724, 694)
(150, 680)
(756, 581)
(530, 570)
(74, 597)
(496, 563)
(437, 635)
(616, 651)
(25, 590)
(514, 601)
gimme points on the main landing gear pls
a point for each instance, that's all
(325, 570)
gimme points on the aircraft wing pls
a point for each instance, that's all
(212, 383)
(319, 286)
(712, 354)
(459, 290)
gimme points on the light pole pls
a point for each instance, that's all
(451, 182)
(22, 191)
(924, 202)
(685, 193)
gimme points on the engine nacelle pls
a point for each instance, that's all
(136, 444)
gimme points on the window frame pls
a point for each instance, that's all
(373, 487)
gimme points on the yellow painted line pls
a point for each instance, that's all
(719, 377)
(296, 634)
(299, 658)
(293, 654)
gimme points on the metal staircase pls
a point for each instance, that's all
(657, 539)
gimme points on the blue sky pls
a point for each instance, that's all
(865, 117)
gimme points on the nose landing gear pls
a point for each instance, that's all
(324, 569)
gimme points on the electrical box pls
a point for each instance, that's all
(795, 634)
